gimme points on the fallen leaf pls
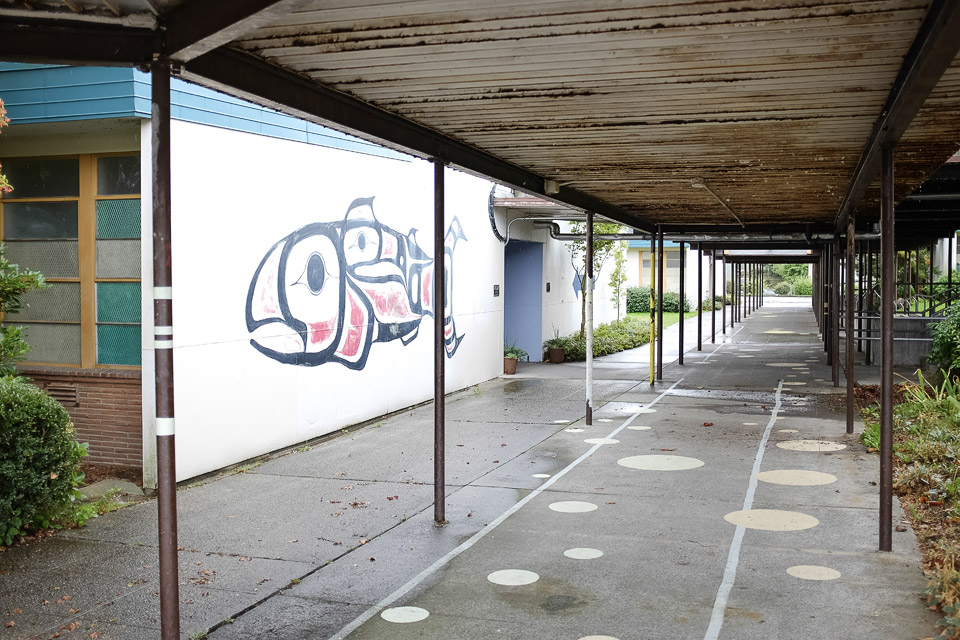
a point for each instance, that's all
(372, 559)
(74, 610)
(495, 461)
(668, 449)
(95, 634)
(18, 610)
(459, 445)
(901, 529)
(54, 476)
(708, 424)
(10, 623)
(470, 515)
(363, 542)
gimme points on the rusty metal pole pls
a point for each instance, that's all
(699, 297)
(851, 252)
(653, 308)
(951, 263)
(439, 352)
(588, 292)
(835, 315)
(723, 294)
(713, 294)
(860, 297)
(871, 325)
(888, 285)
(660, 271)
(827, 299)
(163, 352)
(683, 298)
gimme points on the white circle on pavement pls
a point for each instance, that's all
(604, 420)
(795, 384)
(601, 441)
(750, 424)
(513, 577)
(574, 430)
(573, 506)
(561, 422)
(796, 477)
(811, 445)
(813, 572)
(541, 475)
(404, 614)
(788, 431)
(779, 331)
(771, 520)
(784, 364)
(660, 463)
(583, 553)
(639, 428)
(598, 638)
(643, 410)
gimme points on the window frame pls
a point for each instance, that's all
(87, 255)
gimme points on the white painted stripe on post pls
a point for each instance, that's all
(165, 426)
(163, 293)
(733, 557)
(163, 344)
(163, 331)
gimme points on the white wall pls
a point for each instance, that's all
(235, 196)
(672, 275)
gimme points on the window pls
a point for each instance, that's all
(77, 221)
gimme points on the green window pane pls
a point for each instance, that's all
(56, 343)
(58, 303)
(118, 344)
(118, 302)
(118, 175)
(43, 177)
(118, 219)
(52, 258)
(33, 220)
(118, 258)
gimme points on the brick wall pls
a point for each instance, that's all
(104, 405)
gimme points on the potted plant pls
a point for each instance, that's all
(511, 354)
(555, 347)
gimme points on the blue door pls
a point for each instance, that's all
(523, 297)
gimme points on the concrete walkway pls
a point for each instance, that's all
(633, 528)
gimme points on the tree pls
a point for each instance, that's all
(602, 249)
(4, 121)
(790, 271)
(618, 277)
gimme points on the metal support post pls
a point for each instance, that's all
(588, 289)
(723, 294)
(871, 325)
(653, 307)
(439, 353)
(851, 379)
(835, 316)
(699, 297)
(683, 299)
(163, 352)
(888, 288)
(951, 263)
(713, 294)
(660, 272)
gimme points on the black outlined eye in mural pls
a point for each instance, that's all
(329, 290)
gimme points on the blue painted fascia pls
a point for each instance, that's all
(645, 244)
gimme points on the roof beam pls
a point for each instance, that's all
(76, 43)
(249, 77)
(199, 26)
(931, 53)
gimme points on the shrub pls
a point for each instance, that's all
(638, 300)
(946, 340)
(609, 338)
(782, 289)
(802, 287)
(39, 461)
(671, 303)
(14, 284)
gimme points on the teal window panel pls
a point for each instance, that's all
(118, 344)
(118, 302)
(118, 219)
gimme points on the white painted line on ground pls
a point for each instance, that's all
(720, 346)
(475, 538)
(733, 558)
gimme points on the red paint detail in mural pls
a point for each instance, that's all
(427, 279)
(355, 329)
(390, 303)
(268, 296)
(389, 246)
(321, 331)
(448, 331)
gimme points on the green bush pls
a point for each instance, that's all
(638, 300)
(802, 287)
(946, 340)
(671, 303)
(39, 461)
(782, 289)
(609, 338)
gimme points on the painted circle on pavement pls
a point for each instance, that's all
(784, 364)
(513, 577)
(573, 506)
(771, 520)
(750, 424)
(604, 420)
(813, 572)
(541, 475)
(796, 477)
(639, 428)
(601, 441)
(660, 463)
(642, 410)
(598, 638)
(561, 422)
(574, 430)
(583, 553)
(811, 445)
(404, 615)
(788, 431)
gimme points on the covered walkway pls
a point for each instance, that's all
(629, 527)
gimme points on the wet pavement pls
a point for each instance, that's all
(724, 502)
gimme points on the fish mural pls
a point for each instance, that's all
(329, 290)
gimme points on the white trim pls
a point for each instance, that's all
(163, 293)
(163, 344)
(163, 331)
(166, 426)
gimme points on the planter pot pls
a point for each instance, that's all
(509, 366)
(556, 354)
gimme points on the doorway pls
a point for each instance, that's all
(523, 297)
